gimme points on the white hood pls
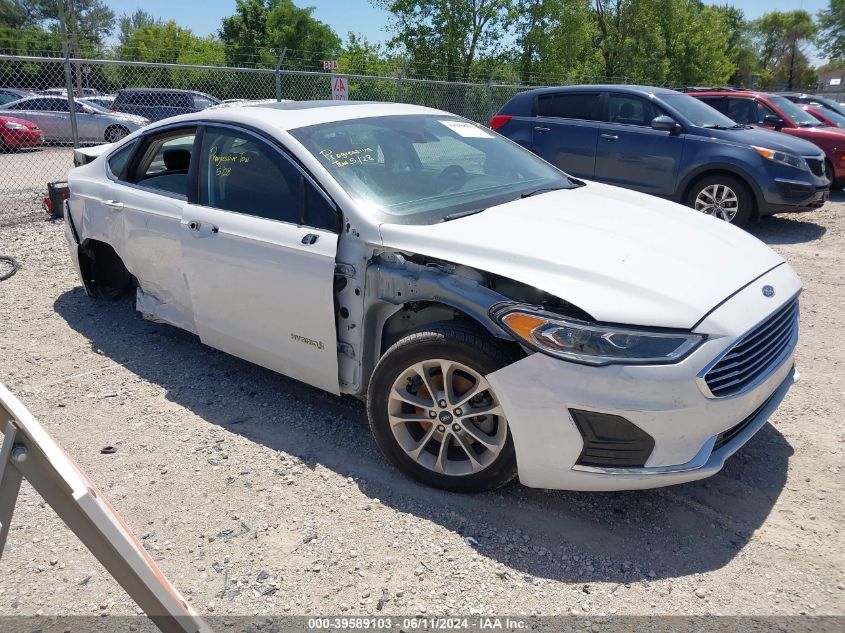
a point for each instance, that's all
(622, 256)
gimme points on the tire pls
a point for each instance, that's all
(416, 446)
(835, 185)
(734, 201)
(116, 132)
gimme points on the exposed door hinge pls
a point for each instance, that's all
(344, 270)
(346, 349)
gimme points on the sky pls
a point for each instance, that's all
(203, 17)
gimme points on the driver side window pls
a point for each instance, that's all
(242, 173)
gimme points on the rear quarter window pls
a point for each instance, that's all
(582, 106)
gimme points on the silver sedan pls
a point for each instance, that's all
(52, 115)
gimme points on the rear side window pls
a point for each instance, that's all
(165, 162)
(584, 106)
(120, 160)
(719, 103)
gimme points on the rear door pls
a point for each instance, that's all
(566, 131)
(633, 154)
(259, 255)
(148, 188)
(88, 123)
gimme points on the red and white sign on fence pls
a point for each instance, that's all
(340, 88)
(329, 64)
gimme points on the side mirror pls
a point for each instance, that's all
(665, 123)
(773, 121)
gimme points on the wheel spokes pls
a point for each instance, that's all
(462, 437)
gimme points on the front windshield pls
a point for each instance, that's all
(96, 106)
(827, 104)
(699, 113)
(421, 169)
(798, 116)
(830, 115)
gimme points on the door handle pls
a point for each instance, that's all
(197, 227)
(310, 238)
(114, 204)
(542, 129)
(610, 137)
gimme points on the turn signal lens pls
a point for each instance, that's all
(522, 324)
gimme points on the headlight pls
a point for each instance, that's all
(11, 125)
(782, 157)
(582, 342)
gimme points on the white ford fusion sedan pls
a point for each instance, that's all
(498, 316)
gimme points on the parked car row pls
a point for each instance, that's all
(99, 118)
(706, 149)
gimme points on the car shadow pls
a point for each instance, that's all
(576, 537)
(782, 230)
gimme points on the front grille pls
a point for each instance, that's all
(755, 355)
(816, 166)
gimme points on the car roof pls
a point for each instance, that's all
(627, 88)
(162, 90)
(290, 115)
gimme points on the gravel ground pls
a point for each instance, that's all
(259, 495)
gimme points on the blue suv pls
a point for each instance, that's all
(666, 143)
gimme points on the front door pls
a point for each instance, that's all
(259, 252)
(634, 155)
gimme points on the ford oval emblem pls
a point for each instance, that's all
(768, 291)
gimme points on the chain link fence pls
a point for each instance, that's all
(48, 105)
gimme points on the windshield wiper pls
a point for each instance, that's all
(460, 214)
(528, 194)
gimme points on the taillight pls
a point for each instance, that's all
(499, 120)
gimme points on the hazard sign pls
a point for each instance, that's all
(340, 88)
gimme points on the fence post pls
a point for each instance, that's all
(490, 99)
(71, 102)
(279, 74)
(68, 76)
(399, 95)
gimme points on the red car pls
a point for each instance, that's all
(828, 117)
(782, 115)
(18, 133)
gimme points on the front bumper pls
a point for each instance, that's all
(664, 401)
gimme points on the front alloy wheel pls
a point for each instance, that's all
(446, 417)
(724, 197)
(434, 414)
(718, 200)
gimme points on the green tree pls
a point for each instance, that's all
(832, 29)
(127, 24)
(630, 39)
(740, 48)
(261, 29)
(782, 38)
(556, 41)
(696, 43)
(448, 34)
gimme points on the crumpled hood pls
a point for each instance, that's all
(622, 256)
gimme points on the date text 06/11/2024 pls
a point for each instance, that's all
(417, 623)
